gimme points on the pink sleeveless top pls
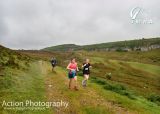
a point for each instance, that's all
(73, 66)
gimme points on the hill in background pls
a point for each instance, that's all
(132, 86)
(128, 45)
(10, 57)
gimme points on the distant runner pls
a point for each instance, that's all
(86, 71)
(73, 68)
(53, 63)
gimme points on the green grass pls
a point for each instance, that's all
(24, 85)
(146, 67)
(131, 72)
(140, 104)
(96, 110)
(144, 80)
(75, 97)
(117, 88)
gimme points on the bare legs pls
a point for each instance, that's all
(53, 69)
(75, 79)
(70, 83)
(75, 83)
(84, 81)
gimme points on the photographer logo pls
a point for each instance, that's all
(140, 16)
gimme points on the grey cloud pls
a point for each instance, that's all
(32, 24)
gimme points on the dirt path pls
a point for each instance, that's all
(83, 101)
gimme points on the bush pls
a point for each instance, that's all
(154, 98)
(120, 89)
(116, 87)
(108, 75)
(99, 81)
(80, 74)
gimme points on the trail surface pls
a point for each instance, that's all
(86, 100)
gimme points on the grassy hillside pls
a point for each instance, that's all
(100, 97)
(68, 47)
(19, 77)
(119, 45)
(124, 44)
(132, 88)
(11, 58)
(138, 71)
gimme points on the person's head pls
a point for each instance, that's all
(87, 61)
(73, 60)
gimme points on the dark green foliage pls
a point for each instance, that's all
(120, 89)
(6, 81)
(12, 58)
(154, 98)
(108, 76)
(101, 82)
(80, 73)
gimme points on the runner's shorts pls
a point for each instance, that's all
(71, 74)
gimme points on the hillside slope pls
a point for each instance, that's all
(64, 47)
(53, 86)
(10, 57)
(122, 93)
(94, 99)
(138, 44)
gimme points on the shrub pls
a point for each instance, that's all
(116, 88)
(154, 98)
(80, 74)
(120, 89)
(108, 75)
(99, 81)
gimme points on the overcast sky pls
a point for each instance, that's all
(35, 24)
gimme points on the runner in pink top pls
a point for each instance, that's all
(73, 68)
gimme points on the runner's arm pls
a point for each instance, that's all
(77, 69)
(68, 67)
(83, 65)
